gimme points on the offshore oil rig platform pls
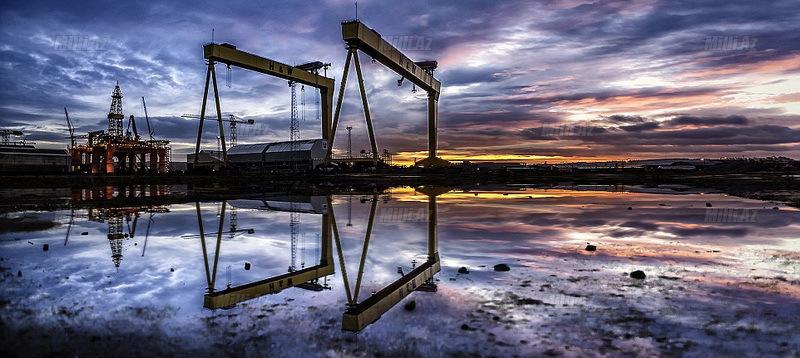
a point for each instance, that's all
(118, 150)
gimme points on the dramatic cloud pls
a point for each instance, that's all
(558, 81)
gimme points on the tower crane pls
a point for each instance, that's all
(71, 129)
(72, 136)
(147, 119)
(232, 119)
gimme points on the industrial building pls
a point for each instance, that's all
(23, 158)
(270, 157)
(27, 159)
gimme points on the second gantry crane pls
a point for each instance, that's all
(360, 37)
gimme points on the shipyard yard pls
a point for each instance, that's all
(450, 179)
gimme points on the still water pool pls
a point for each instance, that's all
(404, 272)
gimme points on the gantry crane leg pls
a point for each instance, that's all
(367, 117)
(329, 154)
(211, 75)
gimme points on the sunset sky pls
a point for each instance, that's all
(526, 81)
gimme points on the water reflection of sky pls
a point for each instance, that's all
(543, 229)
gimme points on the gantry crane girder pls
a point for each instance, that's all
(370, 42)
(360, 37)
(229, 55)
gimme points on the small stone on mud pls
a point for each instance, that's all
(463, 270)
(410, 306)
(247, 266)
(45, 247)
(85, 233)
(708, 205)
(502, 267)
(19, 273)
(171, 269)
(638, 274)
(591, 248)
(630, 208)
(775, 208)
(467, 327)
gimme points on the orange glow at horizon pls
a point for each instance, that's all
(409, 158)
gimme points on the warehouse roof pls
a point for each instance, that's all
(248, 148)
(302, 145)
(287, 146)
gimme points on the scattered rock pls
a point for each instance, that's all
(466, 327)
(410, 306)
(531, 301)
(638, 274)
(45, 247)
(591, 248)
(775, 208)
(630, 208)
(502, 267)
(171, 269)
(247, 266)
(708, 205)
(85, 233)
(463, 270)
(19, 273)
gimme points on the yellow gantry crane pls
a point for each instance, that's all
(360, 37)
(228, 54)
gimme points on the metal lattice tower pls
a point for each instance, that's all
(294, 228)
(294, 128)
(115, 238)
(115, 115)
(234, 222)
(234, 133)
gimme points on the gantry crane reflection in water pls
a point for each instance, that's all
(358, 314)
